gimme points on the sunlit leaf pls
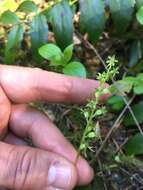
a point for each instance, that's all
(75, 69)
(68, 53)
(5, 5)
(139, 15)
(9, 17)
(49, 51)
(138, 84)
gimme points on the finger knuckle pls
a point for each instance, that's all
(20, 169)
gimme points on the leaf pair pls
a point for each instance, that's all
(58, 58)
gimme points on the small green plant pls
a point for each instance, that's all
(95, 109)
(62, 60)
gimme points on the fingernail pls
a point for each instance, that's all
(59, 176)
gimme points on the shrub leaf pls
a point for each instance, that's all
(61, 18)
(13, 43)
(9, 17)
(75, 69)
(121, 13)
(139, 15)
(27, 7)
(39, 34)
(134, 146)
(138, 112)
(92, 18)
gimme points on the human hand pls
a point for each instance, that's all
(50, 165)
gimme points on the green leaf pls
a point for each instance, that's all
(121, 13)
(100, 111)
(75, 69)
(68, 53)
(9, 17)
(138, 87)
(122, 86)
(57, 60)
(135, 53)
(82, 146)
(129, 80)
(49, 51)
(138, 112)
(28, 7)
(39, 34)
(61, 17)
(134, 146)
(92, 18)
(139, 15)
(13, 43)
(91, 135)
(116, 103)
(52, 53)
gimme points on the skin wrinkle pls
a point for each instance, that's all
(6, 166)
(25, 167)
(25, 170)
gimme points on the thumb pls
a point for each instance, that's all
(25, 168)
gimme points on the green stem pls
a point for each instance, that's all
(92, 115)
(84, 135)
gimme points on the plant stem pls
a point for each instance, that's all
(84, 135)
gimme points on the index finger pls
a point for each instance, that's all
(23, 85)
